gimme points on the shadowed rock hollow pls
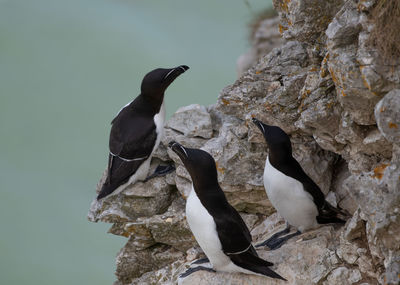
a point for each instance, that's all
(339, 100)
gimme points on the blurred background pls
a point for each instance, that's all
(66, 68)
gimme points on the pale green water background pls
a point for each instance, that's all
(66, 68)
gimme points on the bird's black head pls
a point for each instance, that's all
(157, 81)
(199, 163)
(275, 137)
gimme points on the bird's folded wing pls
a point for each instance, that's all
(133, 138)
(294, 170)
(327, 213)
(232, 230)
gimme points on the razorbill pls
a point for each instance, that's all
(291, 191)
(137, 130)
(216, 225)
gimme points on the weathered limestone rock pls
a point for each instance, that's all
(163, 276)
(206, 278)
(343, 275)
(271, 88)
(305, 20)
(330, 90)
(142, 199)
(352, 92)
(265, 38)
(387, 114)
(360, 75)
(168, 228)
(132, 263)
(379, 201)
(192, 121)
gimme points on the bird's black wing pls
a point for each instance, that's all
(326, 212)
(132, 138)
(132, 135)
(232, 230)
(236, 240)
(255, 264)
(119, 172)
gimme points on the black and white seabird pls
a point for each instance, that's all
(290, 190)
(137, 130)
(216, 225)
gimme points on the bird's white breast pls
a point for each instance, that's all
(204, 229)
(289, 198)
(159, 120)
(143, 170)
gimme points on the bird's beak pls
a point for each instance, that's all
(175, 72)
(178, 149)
(259, 124)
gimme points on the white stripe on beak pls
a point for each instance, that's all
(262, 127)
(169, 73)
(182, 148)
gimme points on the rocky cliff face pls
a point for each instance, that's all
(340, 102)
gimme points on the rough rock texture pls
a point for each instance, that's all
(306, 20)
(192, 121)
(266, 37)
(340, 103)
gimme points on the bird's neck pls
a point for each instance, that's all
(204, 184)
(207, 192)
(155, 101)
(277, 155)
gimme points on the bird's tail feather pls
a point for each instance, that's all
(118, 173)
(330, 214)
(329, 220)
(255, 264)
(254, 252)
(106, 190)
